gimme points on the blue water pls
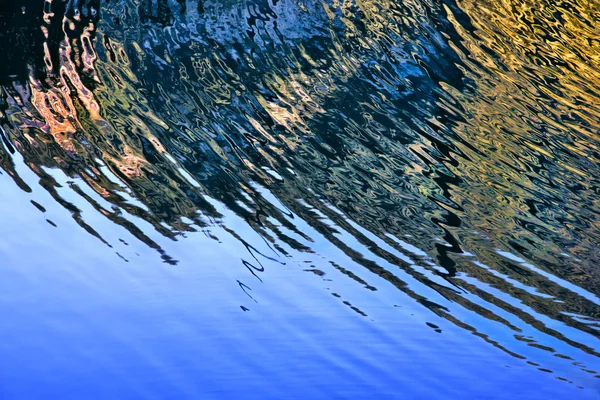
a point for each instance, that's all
(299, 200)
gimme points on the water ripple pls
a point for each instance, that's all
(446, 150)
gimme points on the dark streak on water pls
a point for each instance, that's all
(433, 165)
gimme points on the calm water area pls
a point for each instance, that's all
(299, 199)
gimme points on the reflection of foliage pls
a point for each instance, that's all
(365, 107)
(161, 11)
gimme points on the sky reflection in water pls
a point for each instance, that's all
(337, 198)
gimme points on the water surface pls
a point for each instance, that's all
(299, 199)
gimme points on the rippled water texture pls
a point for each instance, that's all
(300, 199)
